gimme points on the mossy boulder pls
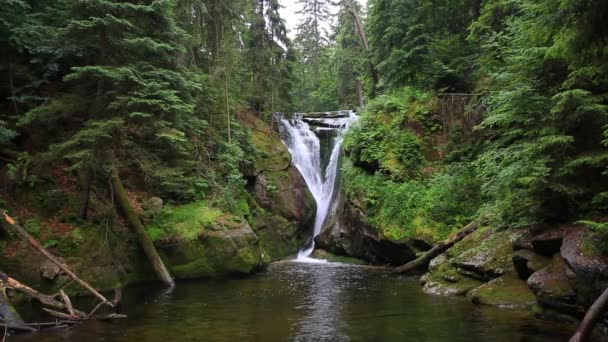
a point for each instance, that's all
(480, 266)
(554, 287)
(216, 254)
(507, 291)
(444, 279)
(200, 241)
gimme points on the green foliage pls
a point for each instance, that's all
(422, 42)
(431, 208)
(33, 227)
(382, 139)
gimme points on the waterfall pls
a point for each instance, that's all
(314, 141)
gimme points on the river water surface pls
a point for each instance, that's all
(305, 302)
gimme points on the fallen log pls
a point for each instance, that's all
(591, 317)
(423, 261)
(44, 299)
(24, 235)
(138, 228)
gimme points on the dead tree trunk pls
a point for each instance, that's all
(365, 44)
(591, 317)
(423, 261)
(138, 228)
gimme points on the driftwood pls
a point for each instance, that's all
(591, 317)
(24, 235)
(423, 261)
(138, 228)
(44, 299)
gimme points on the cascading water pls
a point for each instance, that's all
(314, 141)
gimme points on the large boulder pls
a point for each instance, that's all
(347, 233)
(216, 253)
(583, 255)
(480, 266)
(554, 288)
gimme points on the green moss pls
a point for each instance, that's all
(507, 291)
(186, 222)
(215, 256)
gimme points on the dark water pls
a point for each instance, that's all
(306, 302)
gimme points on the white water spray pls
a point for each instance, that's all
(301, 136)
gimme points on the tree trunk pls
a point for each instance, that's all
(138, 228)
(423, 261)
(365, 43)
(85, 194)
(360, 98)
(591, 317)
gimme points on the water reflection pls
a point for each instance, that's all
(306, 302)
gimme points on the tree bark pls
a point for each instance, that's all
(360, 98)
(85, 194)
(138, 228)
(24, 235)
(365, 43)
(47, 300)
(591, 317)
(423, 261)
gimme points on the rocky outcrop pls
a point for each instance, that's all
(216, 253)
(557, 272)
(347, 233)
(283, 208)
(475, 263)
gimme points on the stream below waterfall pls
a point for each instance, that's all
(305, 302)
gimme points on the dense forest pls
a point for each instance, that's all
(490, 111)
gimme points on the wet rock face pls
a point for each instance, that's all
(348, 234)
(554, 289)
(216, 253)
(285, 210)
(527, 262)
(549, 242)
(585, 259)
